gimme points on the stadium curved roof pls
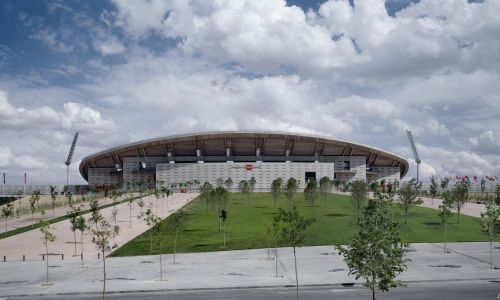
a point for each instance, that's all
(243, 146)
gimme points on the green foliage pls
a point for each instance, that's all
(433, 187)
(459, 195)
(491, 225)
(290, 226)
(276, 189)
(408, 196)
(228, 183)
(376, 252)
(290, 189)
(359, 192)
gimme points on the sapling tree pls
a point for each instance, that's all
(178, 224)
(251, 184)
(459, 195)
(408, 196)
(70, 198)
(81, 225)
(102, 233)
(219, 182)
(114, 214)
(223, 217)
(35, 197)
(359, 192)
(149, 218)
(291, 230)
(433, 189)
(312, 192)
(221, 195)
(228, 183)
(72, 216)
(140, 203)
(53, 197)
(276, 189)
(325, 186)
(130, 202)
(376, 252)
(445, 212)
(47, 237)
(206, 193)
(159, 239)
(491, 225)
(443, 183)
(290, 190)
(157, 198)
(7, 211)
(243, 187)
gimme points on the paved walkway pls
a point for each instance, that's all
(245, 268)
(469, 208)
(25, 220)
(30, 243)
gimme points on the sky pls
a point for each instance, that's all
(120, 71)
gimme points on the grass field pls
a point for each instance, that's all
(246, 225)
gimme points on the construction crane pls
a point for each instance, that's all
(70, 155)
(414, 150)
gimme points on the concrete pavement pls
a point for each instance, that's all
(30, 243)
(238, 269)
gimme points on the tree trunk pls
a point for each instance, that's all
(296, 273)
(406, 214)
(130, 216)
(458, 210)
(47, 258)
(31, 219)
(6, 226)
(445, 227)
(491, 255)
(161, 267)
(373, 293)
(150, 242)
(175, 241)
(74, 238)
(81, 246)
(224, 230)
(104, 274)
(276, 256)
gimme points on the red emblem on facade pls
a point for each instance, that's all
(249, 167)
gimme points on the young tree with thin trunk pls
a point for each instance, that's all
(311, 192)
(70, 198)
(359, 192)
(72, 216)
(290, 190)
(219, 182)
(491, 225)
(276, 189)
(443, 183)
(130, 202)
(159, 239)
(483, 187)
(325, 186)
(251, 184)
(221, 195)
(376, 252)
(81, 225)
(291, 227)
(408, 196)
(178, 224)
(244, 188)
(7, 211)
(47, 237)
(35, 197)
(223, 217)
(114, 214)
(206, 193)
(149, 218)
(433, 189)
(140, 203)
(157, 198)
(445, 212)
(102, 234)
(228, 183)
(459, 195)
(53, 197)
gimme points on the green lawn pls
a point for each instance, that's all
(335, 224)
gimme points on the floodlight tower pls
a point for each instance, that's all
(414, 150)
(70, 155)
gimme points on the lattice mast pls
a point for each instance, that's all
(414, 150)
(70, 156)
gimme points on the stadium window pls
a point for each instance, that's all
(347, 165)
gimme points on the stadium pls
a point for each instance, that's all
(205, 157)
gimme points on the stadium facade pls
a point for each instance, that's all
(205, 157)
